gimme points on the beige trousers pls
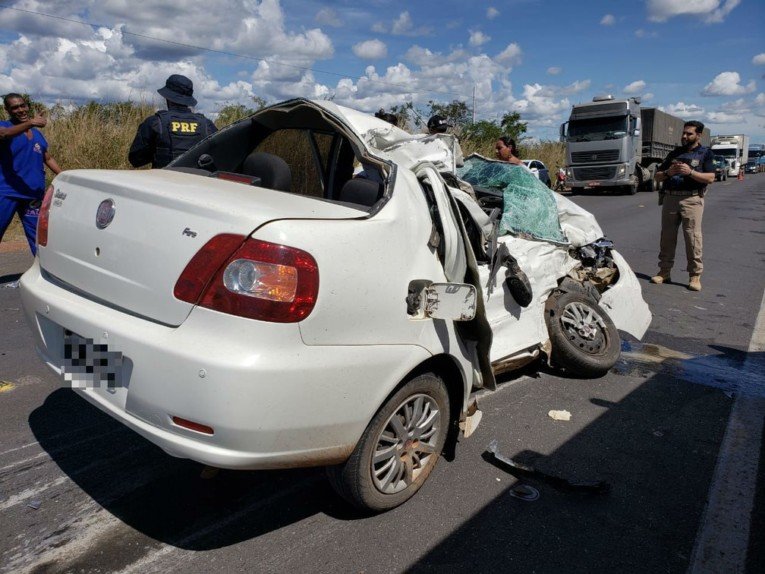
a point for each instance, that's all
(686, 211)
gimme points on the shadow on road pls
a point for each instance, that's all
(166, 498)
(656, 446)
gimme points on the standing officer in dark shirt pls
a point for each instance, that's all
(686, 173)
(167, 134)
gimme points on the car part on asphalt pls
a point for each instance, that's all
(585, 341)
(398, 449)
(524, 492)
(559, 415)
(520, 470)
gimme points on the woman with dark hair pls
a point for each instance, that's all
(507, 150)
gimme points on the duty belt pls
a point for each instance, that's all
(682, 192)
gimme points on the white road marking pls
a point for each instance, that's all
(31, 493)
(723, 537)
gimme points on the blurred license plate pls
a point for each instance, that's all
(593, 183)
(88, 364)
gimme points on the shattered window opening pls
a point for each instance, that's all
(529, 209)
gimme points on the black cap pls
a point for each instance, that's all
(178, 89)
(438, 124)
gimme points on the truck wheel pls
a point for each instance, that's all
(399, 448)
(631, 189)
(585, 341)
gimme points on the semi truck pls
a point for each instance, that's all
(735, 150)
(616, 144)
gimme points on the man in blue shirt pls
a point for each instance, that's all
(686, 173)
(23, 155)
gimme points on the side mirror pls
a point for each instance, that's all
(450, 301)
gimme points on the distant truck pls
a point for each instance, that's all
(616, 144)
(735, 150)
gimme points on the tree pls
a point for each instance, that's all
(482, 132)
(232, 113)
(456, 113)
(513, 126)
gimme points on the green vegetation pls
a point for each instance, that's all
(98, 136)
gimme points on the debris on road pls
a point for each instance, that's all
(559, 415)
(524, 492)
(34, 504)
(6, 386)
(524, 471)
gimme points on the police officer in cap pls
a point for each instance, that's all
(169, 133)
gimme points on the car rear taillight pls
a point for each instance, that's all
(43, 219)
(204, 264)
(260, 280)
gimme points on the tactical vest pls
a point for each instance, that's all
(693, 158)
(179, 131)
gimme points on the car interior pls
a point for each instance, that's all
(300, 150)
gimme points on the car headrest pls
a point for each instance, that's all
(361, 191)
(273, 171)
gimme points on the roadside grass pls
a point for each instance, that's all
(98, 136)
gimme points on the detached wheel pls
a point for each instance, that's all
(399, 448)
(585, 341)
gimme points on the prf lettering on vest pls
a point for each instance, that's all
(184, 127)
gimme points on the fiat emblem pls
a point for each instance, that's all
(105, 213)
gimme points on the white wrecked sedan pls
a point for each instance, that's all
(254, 305)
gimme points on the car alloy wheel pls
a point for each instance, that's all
(584, 327)
(399, 448)
(406, 444)
(585, 341)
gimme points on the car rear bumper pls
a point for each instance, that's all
(271, 400)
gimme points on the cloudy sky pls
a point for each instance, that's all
(700, 59)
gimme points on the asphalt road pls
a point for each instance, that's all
(80, 493)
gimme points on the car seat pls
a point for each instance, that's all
(273, 171)
(360, 191)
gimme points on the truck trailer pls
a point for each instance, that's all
(616, 144)
(735, 150)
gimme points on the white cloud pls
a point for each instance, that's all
(511, 55)
(404, 26)
(760, 99)
(554, 70)
(634, 87)
(328, 17)
(648, 96)
(709, 11)
(641, 33)
(608, 20)
(683, 110)
(759, 60)
(724, 118)
(379, 28)
(540, 104)
(492, 12)
(478, 38)
(739, 105)
(370, 50)
(727, 84)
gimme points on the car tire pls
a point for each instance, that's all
(387, 467)
(585, 341)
